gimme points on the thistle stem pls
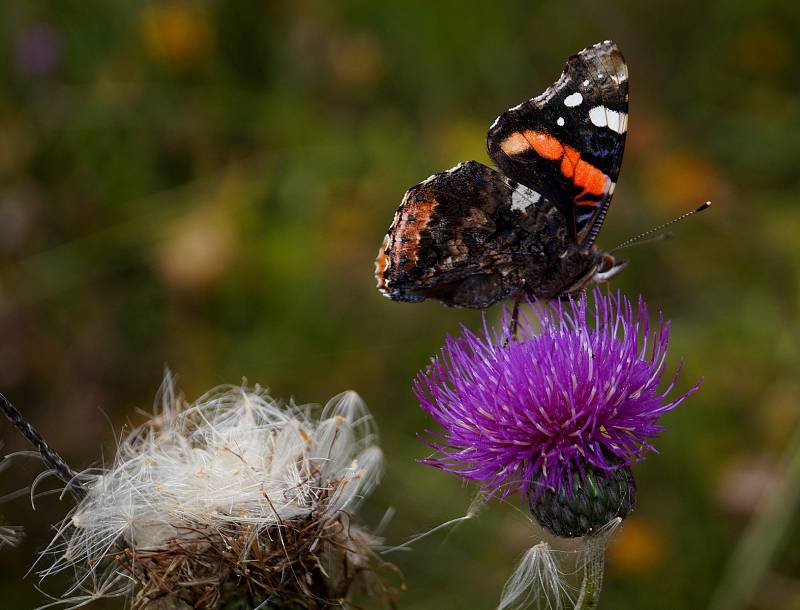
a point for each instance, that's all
(589, 597)
(49, 455)
(593, 565)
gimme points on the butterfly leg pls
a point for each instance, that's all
(513, 323)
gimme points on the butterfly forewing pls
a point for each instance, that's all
(567, 143)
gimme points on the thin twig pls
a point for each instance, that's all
(49, 455)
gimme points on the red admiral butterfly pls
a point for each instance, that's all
(473, 235)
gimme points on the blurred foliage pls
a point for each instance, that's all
(205, 185)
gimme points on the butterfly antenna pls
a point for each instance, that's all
(647, 235)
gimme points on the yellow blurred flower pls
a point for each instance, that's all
(199, 247)
(677, 179)
(175, 33)
(637, 548)
(356, 60)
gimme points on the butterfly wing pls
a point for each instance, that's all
(464, 237)
(567, 143)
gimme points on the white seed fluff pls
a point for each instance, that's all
(235, 460)
(542, 578)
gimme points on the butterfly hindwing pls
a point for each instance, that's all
(567, 143)
(464, 237)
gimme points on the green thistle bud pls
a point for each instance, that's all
(596, 497)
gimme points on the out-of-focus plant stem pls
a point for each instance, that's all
(756, 547)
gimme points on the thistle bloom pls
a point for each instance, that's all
(543, 410)
(233, 497)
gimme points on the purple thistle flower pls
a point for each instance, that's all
(579, 396)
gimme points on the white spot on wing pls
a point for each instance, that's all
(573, 100)
(522, 198)
(618, 121)
(604, 117)
(598, 116)
(586, 82)
(560, 121)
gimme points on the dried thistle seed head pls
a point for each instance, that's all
(595, 498)
(234, 496)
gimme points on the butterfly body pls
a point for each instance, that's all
(474, 235)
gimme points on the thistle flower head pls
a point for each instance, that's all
(235, 492)
(579, 394)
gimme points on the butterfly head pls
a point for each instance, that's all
(603, 267)
(608, 267)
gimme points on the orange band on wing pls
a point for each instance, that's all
(570, 162)
(546, 146)
(582, 174)
(590, 179)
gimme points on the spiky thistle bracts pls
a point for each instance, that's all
(579, 392)
(233, 496)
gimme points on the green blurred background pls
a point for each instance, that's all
(205, 185)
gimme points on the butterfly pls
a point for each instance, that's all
(474, 235)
